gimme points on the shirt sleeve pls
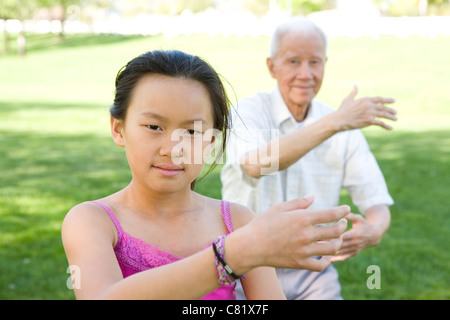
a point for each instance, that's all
(247, 133)
(363, 178)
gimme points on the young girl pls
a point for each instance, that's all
(157, 238)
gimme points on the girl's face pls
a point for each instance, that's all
(164, 132)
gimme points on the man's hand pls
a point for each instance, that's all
(367, 231)
(359, 113)
(362, 235)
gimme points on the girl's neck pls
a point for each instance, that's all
(164, 205)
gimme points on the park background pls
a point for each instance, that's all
(58, 62)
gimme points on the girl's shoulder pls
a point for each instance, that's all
(88, 220)
(240, 215)
(86, 212)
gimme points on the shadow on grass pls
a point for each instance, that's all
(42, 176)
(61, 166)
(38, 42)
(9, 107)
(416, 166)
(45, 174)
(411, 257)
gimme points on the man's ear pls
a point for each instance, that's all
(271, 66)
(117, 131)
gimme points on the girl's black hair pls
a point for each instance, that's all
(177, 64)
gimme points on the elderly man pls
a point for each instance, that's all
(285, 144)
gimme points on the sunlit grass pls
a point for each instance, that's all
(56, 149)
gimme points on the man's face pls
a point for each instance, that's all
(299, 68)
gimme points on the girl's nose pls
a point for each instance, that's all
(171, 147)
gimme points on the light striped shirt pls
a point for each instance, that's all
(342, 161)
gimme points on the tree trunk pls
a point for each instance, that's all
(21, 43)
(423, 8)
(5, 38)
(21, 40)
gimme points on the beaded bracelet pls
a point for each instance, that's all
(223, 270)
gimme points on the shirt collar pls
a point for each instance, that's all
(281, 113)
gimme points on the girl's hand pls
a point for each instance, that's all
(288, 236)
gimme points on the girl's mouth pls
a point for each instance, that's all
(168, 170)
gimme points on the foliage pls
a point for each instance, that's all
(399, 8)
(307, 6)
(23, 9)
(193, 5)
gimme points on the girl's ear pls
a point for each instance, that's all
(117, 131)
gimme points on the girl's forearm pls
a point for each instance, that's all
(190, 278)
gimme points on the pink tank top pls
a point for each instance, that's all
(135, 255)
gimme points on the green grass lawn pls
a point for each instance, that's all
(56, 149)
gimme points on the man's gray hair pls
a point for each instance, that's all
(300, 25)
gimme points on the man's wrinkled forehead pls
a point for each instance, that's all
(312, 44)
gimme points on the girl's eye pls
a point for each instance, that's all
(154, 127)
(193, 132)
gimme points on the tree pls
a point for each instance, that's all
(7, 11)
(24, 10)
(307, 6)
(64, 4)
